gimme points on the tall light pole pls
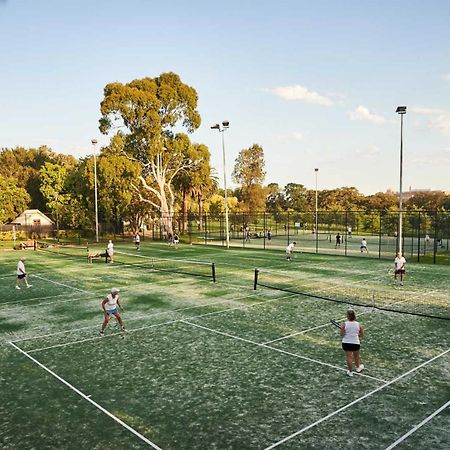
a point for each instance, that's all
(317, 215)
(225, 126)
(94, 143)
(402, 111)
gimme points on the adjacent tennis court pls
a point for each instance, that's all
(216, 359)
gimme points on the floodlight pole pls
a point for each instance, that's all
(225, 126)
(94, 143)
(402, 111)
(317, 215)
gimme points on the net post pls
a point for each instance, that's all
(34, 245)
(213, 268)
(255, 279)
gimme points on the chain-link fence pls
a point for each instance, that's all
(425, 234)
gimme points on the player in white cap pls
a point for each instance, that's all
(110, 305)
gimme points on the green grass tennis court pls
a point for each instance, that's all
(220, 365)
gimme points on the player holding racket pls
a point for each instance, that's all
(109, 305)
(399, 267)
(351, 331)
(290, 250)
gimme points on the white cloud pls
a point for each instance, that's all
(370, 152)
(362, 113)
(439, 119)
(297, 136)
(446, 77)
(298, 92)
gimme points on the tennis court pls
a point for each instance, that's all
(210, 362)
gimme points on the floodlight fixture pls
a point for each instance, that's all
(401, 110)
(215, 127)
(226, 124)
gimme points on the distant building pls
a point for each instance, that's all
(412, 193)
(33, 218)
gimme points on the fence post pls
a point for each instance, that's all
(346, 231)
(288, 220)
(213, 267)
(264, 229)
(435, 236)
(255, 279)
(418, 239)
(206, 230)
(379, 234)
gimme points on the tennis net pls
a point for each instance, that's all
(70, 250)
(180, 266)
(432, 304)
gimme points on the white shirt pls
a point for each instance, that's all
(351, 335)
(137, 238)
(110, 247)
(399, 262)
(20, 268)
(290, 248)
(111, 302)
(363, 243)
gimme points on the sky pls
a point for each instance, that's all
(316, 84)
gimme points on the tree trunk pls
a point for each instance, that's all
(185, 212)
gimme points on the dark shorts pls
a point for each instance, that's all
(400, 271)
(22, 276)
(350, 347)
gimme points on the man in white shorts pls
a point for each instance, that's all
(399, 267)
(109, 305)
(21, 273)
(290, 250)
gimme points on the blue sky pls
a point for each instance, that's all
(315, 83)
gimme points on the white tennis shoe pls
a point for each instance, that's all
(349, 373)
(360, 368)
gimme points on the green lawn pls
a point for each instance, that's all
(219, 365)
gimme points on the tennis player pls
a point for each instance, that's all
(363, 246)
(137, 241)
(290, 250)
(351, 331)
(110, 251)
(176, 240)
(338, 241)
(399, 268)
(110, 305)
(21, 273)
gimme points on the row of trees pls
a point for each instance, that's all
(152, 168)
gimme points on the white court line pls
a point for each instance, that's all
(301, 332)
(62, 284)
(359, 399)
(149, 316)
(144, 327)
(277, 349)
(416, 427)
(86, 397)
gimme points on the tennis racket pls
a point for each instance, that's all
(335, 323)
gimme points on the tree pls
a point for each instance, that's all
(194, 182)
(381, 201)
(13, 200)
(296, 197)
(52, 180)
(116, 174)
(249, 173)
(149, 110)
